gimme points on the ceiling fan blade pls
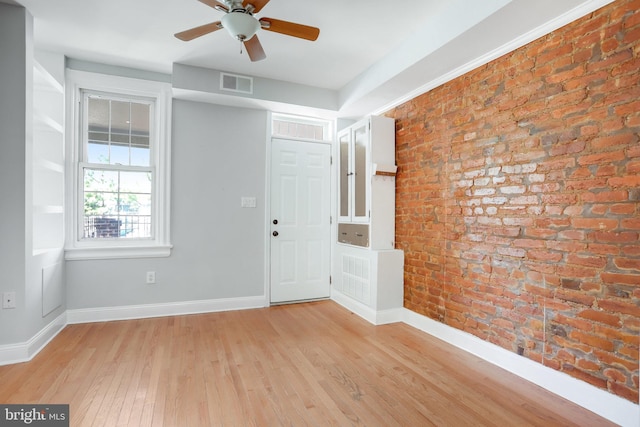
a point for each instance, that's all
(254, 49)
(290, 28)
(198, 31)
(257, 4)
(214, 4)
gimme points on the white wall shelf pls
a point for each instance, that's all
(47, 162)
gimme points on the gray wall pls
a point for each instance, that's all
(14, 42)
(218, 156)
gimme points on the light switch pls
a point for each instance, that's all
(248, 202)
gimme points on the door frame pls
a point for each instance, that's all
(267, 210)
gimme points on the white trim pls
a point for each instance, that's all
(382, 317)
(107, 314)
(601, 402)
(72, 254)
(550, 26)
(24, 352)
(160, 92)
(267, 208)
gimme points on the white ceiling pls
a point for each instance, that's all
(372, 53)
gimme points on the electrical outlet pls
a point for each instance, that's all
(9, 300)
(151, 277)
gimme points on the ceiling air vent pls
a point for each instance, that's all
(235, 83)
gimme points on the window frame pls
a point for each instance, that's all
(327, 126)
(76, 247)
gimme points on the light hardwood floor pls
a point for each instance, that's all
(294, 365)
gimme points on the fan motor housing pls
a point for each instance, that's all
(240, 25)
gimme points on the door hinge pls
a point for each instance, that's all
(330, 280)
(330, 160)
(330, 220)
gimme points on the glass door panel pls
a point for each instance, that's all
(344, 175)
(360, 171)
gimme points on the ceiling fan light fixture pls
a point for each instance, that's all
(241, 26)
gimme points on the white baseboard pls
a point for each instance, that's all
(107, 314)
(23, 352)
(603, 403)
(370, 315)
(607, 405)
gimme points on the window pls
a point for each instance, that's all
(286, 126)
(119, 149)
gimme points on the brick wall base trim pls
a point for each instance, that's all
(607, 405)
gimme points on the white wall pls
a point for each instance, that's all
(218, 156)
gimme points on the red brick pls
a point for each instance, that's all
(555, 233)
(587, 261)
(584, 376)
(553, 222)
(606, 170)
(633, 167)
(528, 243)
(592, 340)
(570, 148)
(621, 307)
(624, 391)
(631, 250)
(606, 142)
(624, 181)
(568, 270)
(605, 196)
(567, 246)
(627, 263)
(565, 199)
(595, 223)
(512, 252)
(540, 255)
(616, 334)
(588, 365)
(572, 235)
(586, 184)
(542, 233)
(624, 237)
(626, 279)
(623, 209)
(598, 158)
(601, 317)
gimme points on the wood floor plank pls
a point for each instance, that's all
(312, 364)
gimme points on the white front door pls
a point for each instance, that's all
(300, 222)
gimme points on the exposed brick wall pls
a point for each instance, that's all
(518, 200)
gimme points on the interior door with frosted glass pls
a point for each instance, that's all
(359, 211)
(300, 220)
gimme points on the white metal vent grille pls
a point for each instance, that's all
(235, 83)
(355, 278)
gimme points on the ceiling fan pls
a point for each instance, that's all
(242, 25)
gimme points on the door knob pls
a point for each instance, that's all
(275, 234)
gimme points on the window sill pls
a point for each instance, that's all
(119, 252)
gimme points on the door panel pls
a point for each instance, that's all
(300, 220)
